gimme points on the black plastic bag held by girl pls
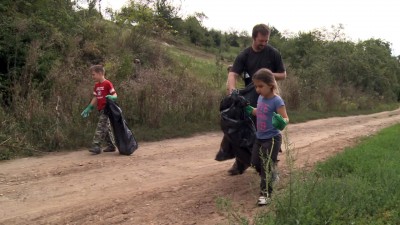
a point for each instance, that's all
(124, 139)
(238, 129)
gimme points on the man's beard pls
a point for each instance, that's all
(260, 47)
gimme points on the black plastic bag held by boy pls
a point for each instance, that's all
(238, 129)
(124, 139)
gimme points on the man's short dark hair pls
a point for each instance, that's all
(260, 28)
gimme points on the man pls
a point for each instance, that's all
(259, 55)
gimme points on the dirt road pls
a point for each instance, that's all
(168, 182)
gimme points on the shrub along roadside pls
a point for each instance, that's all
(45, 52)
(159, 104)
(165, 101)
(358, 186)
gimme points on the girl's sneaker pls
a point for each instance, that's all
(263, 200)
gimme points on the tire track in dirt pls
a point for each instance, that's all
(168, 182)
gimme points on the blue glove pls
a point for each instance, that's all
(111, 97)
(87, 111)
(278, 122)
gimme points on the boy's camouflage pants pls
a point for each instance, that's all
(103, 132)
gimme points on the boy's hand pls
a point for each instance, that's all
(278, 122)
(111, 97)
(249, 110)
(87, 111)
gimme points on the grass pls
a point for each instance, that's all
(300, 116)
(358, 186)
(206, 68)
(226, 206)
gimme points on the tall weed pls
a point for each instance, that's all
(356, 187)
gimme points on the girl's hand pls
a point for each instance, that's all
(249, 110)
(278, 121)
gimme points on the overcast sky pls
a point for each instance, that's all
(361, 19)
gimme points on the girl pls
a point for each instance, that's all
(269, 139)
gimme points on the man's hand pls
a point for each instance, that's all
(278, 121)
(112, 97)
(87, 111)
(231, 82)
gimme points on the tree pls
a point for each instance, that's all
(31, 41)
(137, 15)
(216, 37)
(232, 37)
(244, 39)
(193, 29)
(167, 12)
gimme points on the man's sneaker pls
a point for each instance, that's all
(95, 150)
(109, 149)
(263, 200)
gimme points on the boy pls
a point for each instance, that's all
(103, 89)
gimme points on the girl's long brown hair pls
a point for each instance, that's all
(266, 76)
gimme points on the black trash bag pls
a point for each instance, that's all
(250, 94)
(124, 139)
(238, 128)
(225, 151)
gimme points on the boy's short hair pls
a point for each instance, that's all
(97, 69)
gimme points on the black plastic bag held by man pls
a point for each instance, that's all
(124, 139)
(238, 128)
